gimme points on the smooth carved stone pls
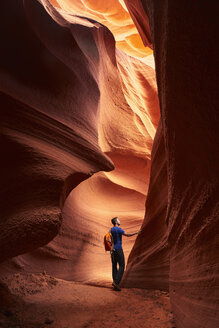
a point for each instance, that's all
(148, 264)
(81, 115)
(49, 137)
(184, 42)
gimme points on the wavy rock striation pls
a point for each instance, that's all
(148, 265)
(111, 124)
(72, 106)
(183, 38)
(112, 14)
(49, 136)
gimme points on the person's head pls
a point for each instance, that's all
(115, 221)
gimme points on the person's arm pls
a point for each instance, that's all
(132, 234)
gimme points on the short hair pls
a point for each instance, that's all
(114, 221)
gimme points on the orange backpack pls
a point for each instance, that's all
(108, 241)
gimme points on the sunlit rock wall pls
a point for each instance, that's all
(112, 126)
(72, 105)
(184, 41)
(148, 265)
(114, 15)
(47, 133)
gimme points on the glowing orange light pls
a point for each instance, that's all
(114, 15)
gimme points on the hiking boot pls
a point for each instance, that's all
(116, 287)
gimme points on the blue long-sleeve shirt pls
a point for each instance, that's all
(117, 233)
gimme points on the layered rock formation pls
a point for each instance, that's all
(112, 14)
(184, 37)
(47, 133)
(114, 124)
(72, 106)
(148, 265)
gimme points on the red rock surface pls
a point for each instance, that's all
(72, 106)
(148, 265)
(112, 122)
(184, 37)
(112, 14)
(47, 132)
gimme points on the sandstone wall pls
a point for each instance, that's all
(68, 58)
(184, 41)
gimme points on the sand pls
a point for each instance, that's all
(38, 301)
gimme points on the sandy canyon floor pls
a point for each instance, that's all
(37, 301)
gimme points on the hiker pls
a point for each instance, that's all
(117, 255)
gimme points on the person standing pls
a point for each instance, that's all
(117, 255)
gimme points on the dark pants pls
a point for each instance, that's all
(117, 256)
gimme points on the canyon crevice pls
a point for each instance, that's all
(91, 129)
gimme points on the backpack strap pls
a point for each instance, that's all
(112, 239)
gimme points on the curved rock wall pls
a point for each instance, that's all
(148, 265)
(112, 14)
(69, 109)
(184, 35)
(125, 123)
(47, 133)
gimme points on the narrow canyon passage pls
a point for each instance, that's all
(126, 122)
(90, 130)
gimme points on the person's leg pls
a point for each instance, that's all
(114, 265)
(121, 260)
(114, 257)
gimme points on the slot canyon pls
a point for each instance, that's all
(109, 108)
